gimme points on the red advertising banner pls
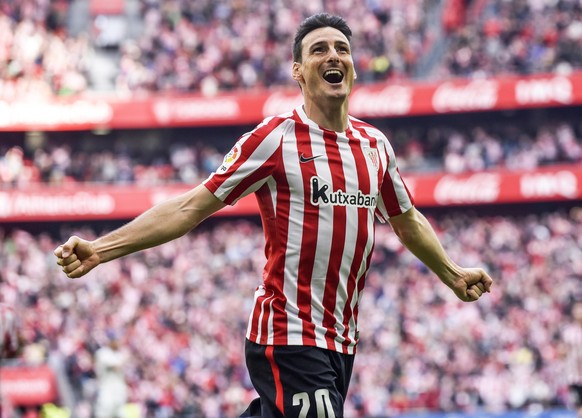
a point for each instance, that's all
(88, 202)
(25, 386)
(551, 184)
(91, 202)
(392, 99)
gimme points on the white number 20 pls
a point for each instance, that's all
(322, 403)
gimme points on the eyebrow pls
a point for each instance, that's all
(339, 41)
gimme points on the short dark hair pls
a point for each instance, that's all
(320, 20)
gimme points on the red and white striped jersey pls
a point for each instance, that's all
(318, 192)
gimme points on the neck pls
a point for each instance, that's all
(332, 115)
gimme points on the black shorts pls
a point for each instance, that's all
(297, 381)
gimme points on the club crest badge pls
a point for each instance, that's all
(372, 155)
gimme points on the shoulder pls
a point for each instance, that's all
(264, 137)
(368, 128)
(277, 123)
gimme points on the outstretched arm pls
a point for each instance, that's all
(416, 234)
(162, 223)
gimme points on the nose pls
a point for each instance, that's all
(333, 55)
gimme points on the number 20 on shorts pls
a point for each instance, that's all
(323, 404)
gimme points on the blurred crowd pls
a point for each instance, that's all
(516, 37)
(209, 46)
(59, 158)
(513, 143)
(179, 312)
(37, 55)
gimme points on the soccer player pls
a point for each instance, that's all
(320, 177)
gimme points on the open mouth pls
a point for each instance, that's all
(333, 76)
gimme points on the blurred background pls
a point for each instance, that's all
(108, 107)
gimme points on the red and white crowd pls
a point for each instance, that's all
(210, 46)
(179, 312)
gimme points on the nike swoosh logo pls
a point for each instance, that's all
(304, 159)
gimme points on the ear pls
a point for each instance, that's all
(296, 71)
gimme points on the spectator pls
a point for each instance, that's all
(572, 346)
(110, 362)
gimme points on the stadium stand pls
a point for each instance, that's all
(210, 46)
(494, 160)
(180, 312)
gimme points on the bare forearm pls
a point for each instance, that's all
(162, 223)
(419, 237)
(154, 227)
(417, 234)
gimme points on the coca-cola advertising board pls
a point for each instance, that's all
(550, 184)
(388, 99)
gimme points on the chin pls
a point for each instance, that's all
(339, 97)
(339, 94)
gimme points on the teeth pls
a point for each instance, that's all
(333, 76)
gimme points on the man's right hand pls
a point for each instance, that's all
(77, 257)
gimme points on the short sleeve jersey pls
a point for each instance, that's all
(318, 192)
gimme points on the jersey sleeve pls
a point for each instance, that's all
(249, 164)
(395, 198)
